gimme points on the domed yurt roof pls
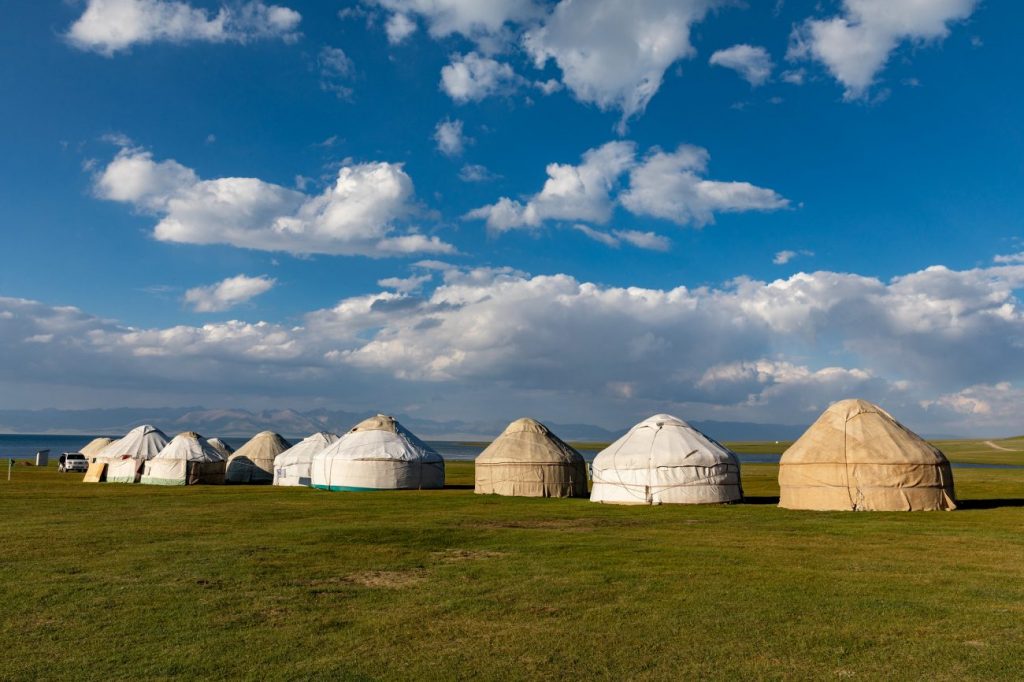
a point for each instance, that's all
(856, 456)
(381, 437)
(93, 447)
(304, 450)
(665, 460)
(191, 447)
(142, 442)
(254, 461)
(528, 460)
(527, 440)
(378, 454)
(222, 447)
(292, 467)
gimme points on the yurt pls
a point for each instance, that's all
(94, 446)
(856, 457)
(527, 460)
(124, 458)
(664, 460)
(187, 460)
(378, 454)
(254, 461)
(221, 447)
(292, 466)
(97, 470)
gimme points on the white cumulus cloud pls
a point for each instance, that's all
(614, 53)
(670, 185)
(777, 350)
(473, 77)
(228, 293)
(475, 19)
(786, 255)
(856, 45)
(109, 26)
(450, 139)
(358, 215)
(752, 62)
(667, 185)
(581, 192)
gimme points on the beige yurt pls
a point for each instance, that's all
(292, 466)
(527, 460)
(188, 459)
(857, 457)
(254, 461)
(125, 458)
(664, 460)
(97, 470)
(378, 454)
(222, 447)
(93, 447)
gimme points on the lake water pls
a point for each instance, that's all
(25, 447)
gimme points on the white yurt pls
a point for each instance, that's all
(187, 460)
(254, 461)
(378, 454)
(527, 460)
(664, 460)
(221, 447)
(292, 467)
(125, 458)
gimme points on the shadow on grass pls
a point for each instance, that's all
(760, 500)
(990, 504)
(459, 486)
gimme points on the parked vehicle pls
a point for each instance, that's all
(72, 461)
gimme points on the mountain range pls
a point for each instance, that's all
(293, 423)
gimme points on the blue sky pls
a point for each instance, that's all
(751, 238)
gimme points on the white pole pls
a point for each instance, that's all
(10, 463)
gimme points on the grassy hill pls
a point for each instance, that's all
(115, 581)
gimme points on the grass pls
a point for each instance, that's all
(117, 581)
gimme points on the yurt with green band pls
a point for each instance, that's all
(125, 458)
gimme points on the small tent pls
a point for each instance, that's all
(254, 461)
(664, 460)
(378, 454)
(857, 457)
(221, 447)
(187, 460)
(125, 457)
(527, 460)
(292, 466)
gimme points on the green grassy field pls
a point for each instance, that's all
(117, 581)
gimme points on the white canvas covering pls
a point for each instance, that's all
(856, 457)
(187, 460)
(664, 460)
(125, 457)
(292, 467)
(527, 460)
(254, 461)
(222, 447)
(378, 454)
